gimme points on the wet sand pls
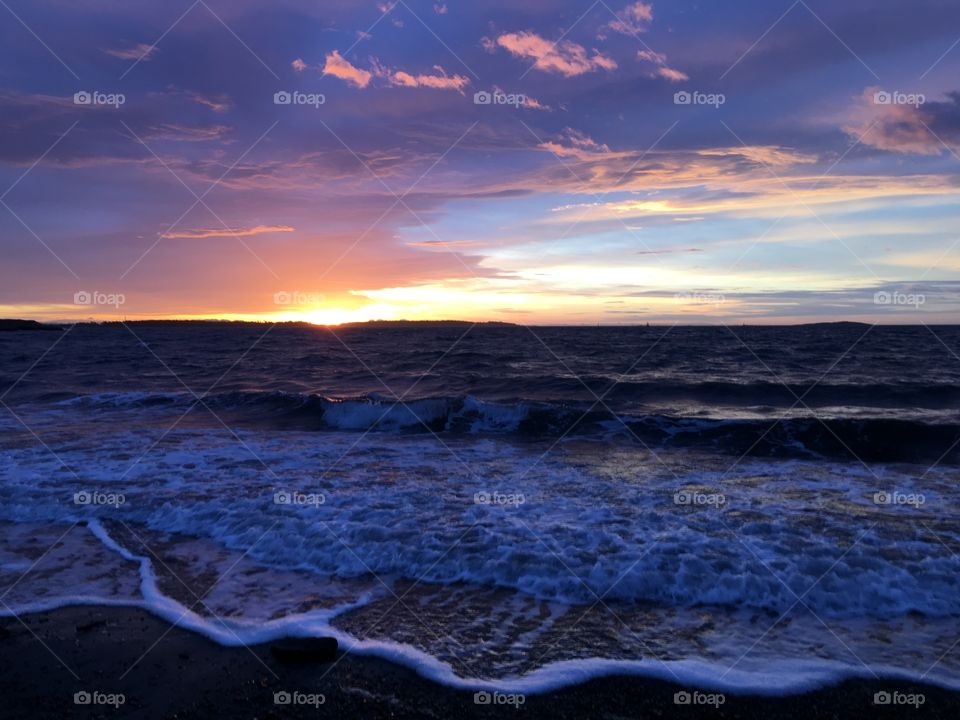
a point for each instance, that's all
(167, 672)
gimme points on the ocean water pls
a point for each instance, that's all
(762, 509)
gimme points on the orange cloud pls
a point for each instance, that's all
(226, 232)
(341, 68)
(564, 57)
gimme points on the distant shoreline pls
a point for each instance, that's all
(25, 325)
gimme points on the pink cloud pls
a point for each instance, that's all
(341, 68)
(441, 81)
(579, 145)
(217, 103)
(534, 104)
(663, 70)
(137, 52)
(898, 127)
(564, 57)
(298, 65)
(633, 19)
(672, 75)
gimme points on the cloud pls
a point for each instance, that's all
(203, 234)
(217, 103)
(671, 251)
(440, 8)
(564, 57)
(769, 155)
(922, 128)
(341, 68)
(672, 75)
(633, 19)
(440, 81)
(298, 65)
(175, 131)
(534, 104)
(662, 69)
(577, 144)
(137, 52)
(529, 103)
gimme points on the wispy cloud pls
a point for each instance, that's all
(439, 81)
(358, 77)
(140, 52)
(662, 69)
(217, 103)
(633, 19)
(202, 234)
(565, 57)
(187, 133)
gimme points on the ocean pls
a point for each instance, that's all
(742, 508)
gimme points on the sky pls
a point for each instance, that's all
(540, 162)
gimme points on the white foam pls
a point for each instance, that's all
(778, 677)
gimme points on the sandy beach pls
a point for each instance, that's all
(132, 664)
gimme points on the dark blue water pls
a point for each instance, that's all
(841, 390)
(745, 507)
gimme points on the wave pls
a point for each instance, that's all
(774, 677)
(862, 435)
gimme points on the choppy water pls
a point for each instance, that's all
(760, 508)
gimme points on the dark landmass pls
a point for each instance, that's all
(165, 672)
(838, 323)
(14, 325)
(33, 325)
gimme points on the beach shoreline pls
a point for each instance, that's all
(162, 671)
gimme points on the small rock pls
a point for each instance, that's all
(91, 625)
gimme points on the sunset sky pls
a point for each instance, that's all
(812, 176)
